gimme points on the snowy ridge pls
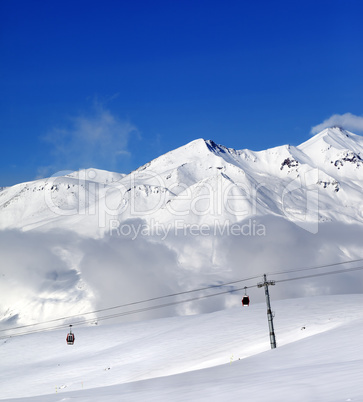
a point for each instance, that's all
(256, 181)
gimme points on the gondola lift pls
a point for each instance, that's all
(245, 299)
(70, 336)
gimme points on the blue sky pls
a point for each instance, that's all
(114, 84)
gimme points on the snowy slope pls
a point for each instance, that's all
(211, 357)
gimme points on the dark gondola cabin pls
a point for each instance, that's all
(245, 301)
(70, 337)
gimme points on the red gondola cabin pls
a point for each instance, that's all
(245, 301)
(70, 337)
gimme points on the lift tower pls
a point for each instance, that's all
(266, 284)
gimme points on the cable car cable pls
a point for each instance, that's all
(181, 293)
(116, 315)
(183, 301)
(135, 303)
(311, 268)
(341, 271)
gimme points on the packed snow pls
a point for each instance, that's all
(210, 357)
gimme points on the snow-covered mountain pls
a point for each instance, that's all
(201, 183)
(201, 214)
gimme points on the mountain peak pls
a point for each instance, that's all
(334, 137)
(337, 128)
(336, 131)
(216, 148)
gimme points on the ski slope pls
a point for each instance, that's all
(218, 356)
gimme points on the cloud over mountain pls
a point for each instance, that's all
(94, 139)
(347, 121)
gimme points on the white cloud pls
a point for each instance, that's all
(347, 121)
(59, 273)
(98, 139)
